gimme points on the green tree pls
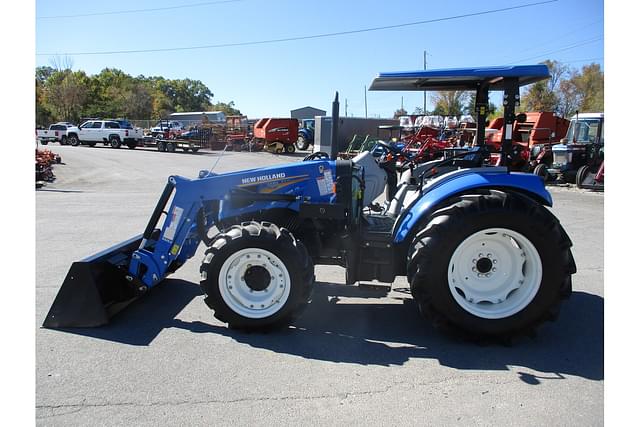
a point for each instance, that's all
(590, 84)
(470, 108)
(62, 94)
(65, 94)
(450, 102)
(399, 112)
(544, 95)
(227, 108)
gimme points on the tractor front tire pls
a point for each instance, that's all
(491, 265)
(542, 172)
(581, 175)
(256, 276)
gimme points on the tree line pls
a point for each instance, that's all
(566, 91)
(67, 95)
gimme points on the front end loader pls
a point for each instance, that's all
(480, 249)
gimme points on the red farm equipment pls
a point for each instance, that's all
(534, 133)
(277, 135)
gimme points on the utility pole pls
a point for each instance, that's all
(365, 102)
(424, 93)
(346, 107)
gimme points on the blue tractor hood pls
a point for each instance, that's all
(459, 78)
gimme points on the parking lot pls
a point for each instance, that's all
(356, 355)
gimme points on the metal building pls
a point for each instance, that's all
(307, 113)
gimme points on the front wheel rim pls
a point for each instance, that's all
(494, 273)
(240, 297)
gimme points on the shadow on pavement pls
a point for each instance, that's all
(384, 334)
(142, 321)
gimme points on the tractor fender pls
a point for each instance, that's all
(459, 182)
(305, 133)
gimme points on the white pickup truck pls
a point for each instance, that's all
(109, 132)
(57, 132)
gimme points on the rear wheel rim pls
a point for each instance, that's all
(494, 273)
(242, 298)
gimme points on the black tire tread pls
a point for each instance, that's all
(439, 228)
(254, 231)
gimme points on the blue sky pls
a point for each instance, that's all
(271, 79)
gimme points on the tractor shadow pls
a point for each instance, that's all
(345, 325)
(142, 321)
(393, 332)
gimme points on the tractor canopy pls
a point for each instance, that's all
(459, 78)
(482, 80)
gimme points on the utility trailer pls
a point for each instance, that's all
(478, 245)
(172, 144)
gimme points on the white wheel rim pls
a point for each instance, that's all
(495, 273)
(240, 297)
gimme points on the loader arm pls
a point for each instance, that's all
(195, 205)
(99, 286)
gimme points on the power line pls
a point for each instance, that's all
(560, 36)
(120, 12)
(582, 43)
(583, 60)
(315, 36)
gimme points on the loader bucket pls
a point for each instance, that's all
(95, 289)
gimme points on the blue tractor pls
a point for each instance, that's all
(306, 134)
(481, 251)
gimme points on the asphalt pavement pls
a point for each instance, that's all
(357, 355)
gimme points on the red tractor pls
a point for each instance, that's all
(534, 133)
(425, 145)
(277, 135)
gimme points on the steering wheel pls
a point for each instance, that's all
(316, 156)
(389, 147)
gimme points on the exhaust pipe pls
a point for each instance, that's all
(335, 123)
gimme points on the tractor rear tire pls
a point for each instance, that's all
(302, 144)
(492, 265)
(256, 276)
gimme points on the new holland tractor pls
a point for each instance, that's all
(478, 245)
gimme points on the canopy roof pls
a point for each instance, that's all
(459, 78)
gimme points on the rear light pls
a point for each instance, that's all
(126, 133)
(56, 133)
